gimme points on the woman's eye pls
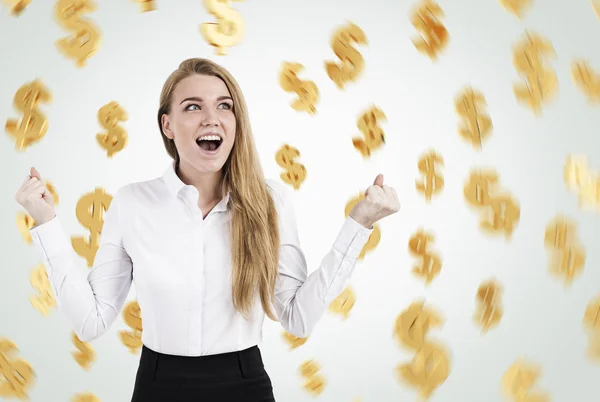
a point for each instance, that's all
(227, 105)
(189, 106)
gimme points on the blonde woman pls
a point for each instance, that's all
(211, 245)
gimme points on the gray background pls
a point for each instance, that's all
(543, 318)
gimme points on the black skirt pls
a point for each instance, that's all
(232, 377)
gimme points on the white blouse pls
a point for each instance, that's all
(154, 236)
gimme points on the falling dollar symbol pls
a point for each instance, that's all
(431, 263)
(86, 38)
(591, 321)
(519, 380)
(352, 62)
(115, 139)
(567, 255)
(542, 83)
(306, 90)
(85, 397)
(596, 7)
(132, 315)
(343, 303)
(18, 376)
(374, 237)
(90, 213)
(17, 6)
(583, 181)
(516, 7)
(146, 5)
(587, 80)
(489, 310)
(434, 34)
(84, 355)
(292, 340)
(295, 173)
(228, 31)
(34, 125)
(314, 382)
(44, 300)
(373, 135)
(433, 182)
(505, 214)
(476, 125)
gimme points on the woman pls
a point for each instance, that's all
(211, 245)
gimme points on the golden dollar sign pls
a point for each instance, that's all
(17, 6)
(343, 303)
(229, 29)
(373, 135)
(109, 117)
(295, 173)
(596, 7)
(34, 125)
(567, 254)
(44, 300)
(306, 90)
(434, 35)
(352, 62)
(516, 7)
(542, 83)
(292, 340)
(86, 38)
(431, 263)
(132, 315)
(314, 382)
(374, 237)
(591, 321)
(90, 213)
(85, 397)
(432, 183)
(587, 80)
(583, 181)
(146, 5)
(519, 380)
(489, 310)
(85, 355)
(476, 124)
(16, 375)
(430, 366)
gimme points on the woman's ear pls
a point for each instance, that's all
(166, 126)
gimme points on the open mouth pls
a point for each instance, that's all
(211, 143)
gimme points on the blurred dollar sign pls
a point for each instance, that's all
(314, 381)
(434, 35)
(229, 29)
(16, 375)
(306, 90)
(352, 62)
(146, 5)
(90, 213)
(431, 263)
(516, 7)
(373, 135)
(374, 237)
(17, 6)
(84, 355)
(343, 303)
(489, 309)
(567, 254)
(132, 316)
(587, 80)
(591, 321)
(109, 117)
(519, 380)
(85, 397)
(44, 300)
(292, 340)
(433, 182)
(86, 39)
(34, 125)
(476, 124)
(295, 173)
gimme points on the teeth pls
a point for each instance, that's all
(209, 138)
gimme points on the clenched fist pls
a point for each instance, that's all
(35, 198)
(380, 201)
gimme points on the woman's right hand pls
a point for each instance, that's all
(34, 196)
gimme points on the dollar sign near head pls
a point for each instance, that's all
(542, 83)
(295, 173)
(16, 375)
(434, 35)
(293, 341)
(85, 354)
(86, 37)
(343, 303)
(115, 139)
(34, 125)
(476, 125)
(432, 182)
(373, 135)
(431, 263)
(132, 316)
(352, 61)
(374, 237)
(90, 213)
(306, 90)
(228, 31)
(44, 300)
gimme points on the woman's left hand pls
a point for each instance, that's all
(380, 201)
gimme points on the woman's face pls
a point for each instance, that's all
(202, 108)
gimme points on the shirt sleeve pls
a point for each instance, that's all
(90, 299)
(301, 299)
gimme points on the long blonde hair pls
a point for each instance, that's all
(254, 220)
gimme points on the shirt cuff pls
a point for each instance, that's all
(50, 237)
(352, 238)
